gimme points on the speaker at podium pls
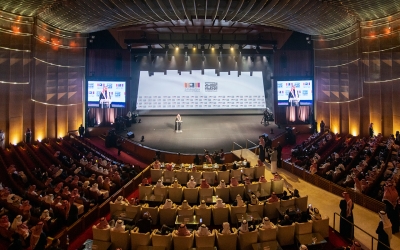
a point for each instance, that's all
(130, 135)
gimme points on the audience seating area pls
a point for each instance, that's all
(361, 166)
(65, 183)
(212, 214)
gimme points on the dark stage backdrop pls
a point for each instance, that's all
(178, 62)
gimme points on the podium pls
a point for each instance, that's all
(105, 103)
(178, 126)
(294, 102)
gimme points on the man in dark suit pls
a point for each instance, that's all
(81, 130)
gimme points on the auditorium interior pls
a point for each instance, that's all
(94, 156)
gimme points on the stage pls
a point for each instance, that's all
(201, 132)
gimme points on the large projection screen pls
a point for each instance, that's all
(303, 89)
(193, 90)
(113, 91)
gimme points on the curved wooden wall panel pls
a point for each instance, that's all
(41, 77)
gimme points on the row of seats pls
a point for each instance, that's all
(192, 195)
(284, 235)
(211, 176)
(216, 215)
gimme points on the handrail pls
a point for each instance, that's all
(354, 225)
(250, 142)
(233, 146)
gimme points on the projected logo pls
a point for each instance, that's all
(192, 87)
(211, 86)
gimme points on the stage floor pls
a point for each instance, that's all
(201, 132)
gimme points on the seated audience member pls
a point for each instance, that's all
(145, 182)
(219, 203)
(191, 183)
(119, 226)
(45, 216)
(133, 202)
(303, 247)
(285, 196)
(65, 191)
(204, 184)
(273, 198)
(4, 222)
(221, 184)
(120, 200)
(226, 228)
(95, 189)
(168, 204)
(234, 182)
(239, 201)
(294, 194)
(247, 181)
(203, 231)
(168, 167)
(144, 224)
(58, 188)
(286, 221)
(55, 245)
(32, 190)
(176, 184)
(38, 237)
(316, 215)
(25, 209)
(262, 179)
(244, 227)
(185, 205)
(103, 224)
(253, 200)
(107, 184)
(182, 231)
(20, 227)
(164, 230)
(355, 246)
(266, 224)
(277, 177)
(159, 184)
(203, 204)
(157, 164)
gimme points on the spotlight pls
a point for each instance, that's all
(212, 47)
(185, 48)
(220, 47)
(186, 56)
(166, 47)
(194, 47)
(240, 48)
(177, 47)
(231, 47)
(142, 139)
(129, 47)
(202, 47)
(307, 38)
